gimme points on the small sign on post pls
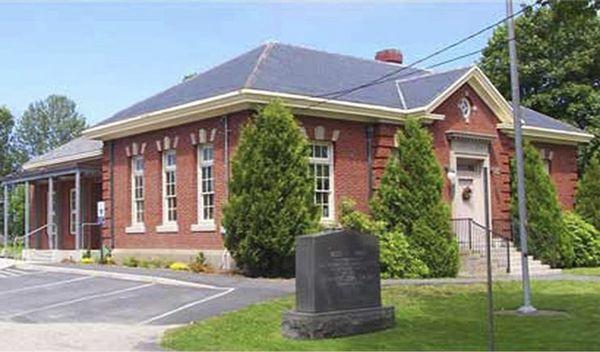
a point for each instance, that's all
(100, 212)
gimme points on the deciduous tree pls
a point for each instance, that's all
(558, 47)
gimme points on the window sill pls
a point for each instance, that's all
(135, 229)
(167, 228)
(329, 223)
(204, 226)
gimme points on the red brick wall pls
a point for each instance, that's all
(482, 120)
(350, 179)
(563, 171)
(350, 167)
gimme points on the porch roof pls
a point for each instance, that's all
(44, 173)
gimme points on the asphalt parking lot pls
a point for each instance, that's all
(40, 297)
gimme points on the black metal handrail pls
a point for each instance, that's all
(471, 236)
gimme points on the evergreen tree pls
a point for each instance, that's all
(271, 194)
(409, 200)
(547, 239)
(588, 193)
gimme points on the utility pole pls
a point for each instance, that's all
(526, 308)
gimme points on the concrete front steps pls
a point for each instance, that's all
(473, 263)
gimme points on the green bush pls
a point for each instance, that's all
(131, 262)
(271, 194)
(396, 257)
(588, 193)
(586, 240)
(438, 250)
(410, 192)
(547, 239)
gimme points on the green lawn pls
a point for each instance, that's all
(448, 317)
(583, 271)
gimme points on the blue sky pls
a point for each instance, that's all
(106, 56)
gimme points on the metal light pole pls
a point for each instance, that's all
(526, 308)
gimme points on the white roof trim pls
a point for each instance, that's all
(94, 154)
(549, 135)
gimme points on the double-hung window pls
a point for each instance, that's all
(170, 188)
(137, 191)
(321, 168)
(72, 212)
(206, 188)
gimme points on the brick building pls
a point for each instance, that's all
(161, 166)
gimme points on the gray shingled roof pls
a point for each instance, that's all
(537, 119)
(420, 91)
(296, 70)
(281, 68)
(77, 146)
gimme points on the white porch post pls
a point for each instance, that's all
(78, 210)
(50, 229)
(26, 239)
(6, 206)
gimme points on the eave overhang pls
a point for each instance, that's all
(539, 134)
(249, 99)
(87, 156)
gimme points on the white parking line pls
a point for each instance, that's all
(13, 272)
(52, 284)
(186, 306)
(77, 300)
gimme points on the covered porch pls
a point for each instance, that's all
(59, 210)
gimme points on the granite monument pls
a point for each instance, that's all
(338, 288)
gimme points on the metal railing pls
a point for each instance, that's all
(30, 233)
(471, 236)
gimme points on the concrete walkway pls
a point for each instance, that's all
(79, 337)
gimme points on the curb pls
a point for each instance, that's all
(121, 276)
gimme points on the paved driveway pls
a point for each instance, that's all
(75, 305)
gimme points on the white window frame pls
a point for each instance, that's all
(168, 225)
(205, 223)
(136, 225)
(72, 211)
(330, 219)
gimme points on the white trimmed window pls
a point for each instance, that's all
(72, 212)
(321, 168)
(137, 191)
(169, 187)
(206, 189)
(207, 183)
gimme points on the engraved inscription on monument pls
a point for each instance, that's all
(338, 289)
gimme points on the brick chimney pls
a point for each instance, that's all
(389, 55)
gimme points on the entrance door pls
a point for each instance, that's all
(469, 199)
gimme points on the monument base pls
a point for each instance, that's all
(298, 325)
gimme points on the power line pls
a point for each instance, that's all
(392, 75)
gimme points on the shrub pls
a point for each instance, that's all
(410, 192)
(588, 193)
(131, 262)
(396, 257)
(437, 250)
(179, 266)
(547, 239)
(271, 194)
(153, 263)
(586, 240)
(200, 258)
(86, 254)
(87, 260)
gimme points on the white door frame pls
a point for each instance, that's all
(454, 156)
